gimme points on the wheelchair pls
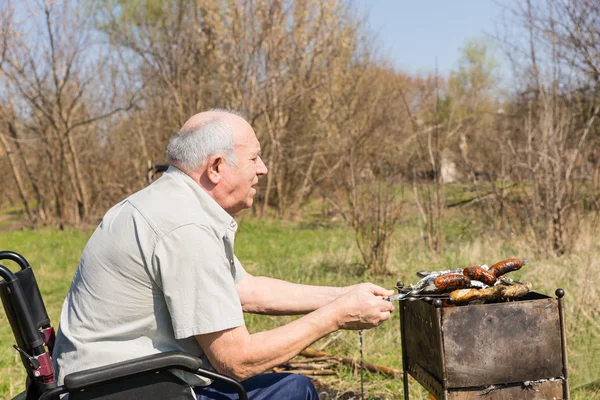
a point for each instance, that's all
(141, 378)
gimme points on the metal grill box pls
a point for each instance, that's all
(496, 351)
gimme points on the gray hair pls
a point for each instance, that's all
(191, 147)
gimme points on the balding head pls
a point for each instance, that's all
(219, 150)
(199, 119)
(206, 134)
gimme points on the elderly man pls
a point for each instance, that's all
(160, 274)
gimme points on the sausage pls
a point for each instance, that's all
(480, 274)
(503, 267)
(465, 295)
(427, 279)
(516, 290)
(451, 282)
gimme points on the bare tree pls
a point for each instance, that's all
(365, 170)
(552, 122)
(271, 59)
(50, 81)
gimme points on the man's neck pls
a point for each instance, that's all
(199, 176)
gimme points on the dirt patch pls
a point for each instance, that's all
(328, 393)
(9, 222)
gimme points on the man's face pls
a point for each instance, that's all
(238, 180)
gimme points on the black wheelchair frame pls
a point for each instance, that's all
(141, 378)
(153, 171)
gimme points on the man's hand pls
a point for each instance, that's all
(363, 307)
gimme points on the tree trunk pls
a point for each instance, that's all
(17, 176)
(79, 186)
(41, 211)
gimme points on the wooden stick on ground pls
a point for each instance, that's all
(355, 363)
(309, 372)
(314, 359)
(304, 365)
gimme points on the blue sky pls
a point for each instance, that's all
(412, 33)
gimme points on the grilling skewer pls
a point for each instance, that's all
(404, 295)
(417, 295)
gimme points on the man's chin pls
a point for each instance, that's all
(241, 206)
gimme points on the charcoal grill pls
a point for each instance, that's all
(495, 351)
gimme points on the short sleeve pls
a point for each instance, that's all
(239, 271)
(191, 267)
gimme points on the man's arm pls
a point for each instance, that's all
(237, 353)
(263, 295)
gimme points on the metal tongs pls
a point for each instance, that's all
(405, 295)
(410, 293)
(417, 294)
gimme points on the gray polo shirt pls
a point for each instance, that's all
(158, 270)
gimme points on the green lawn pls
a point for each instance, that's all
(326, 254)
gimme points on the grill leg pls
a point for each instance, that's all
(563, 337)
(405, 377)
(402, 341)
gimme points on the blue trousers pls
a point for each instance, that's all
(278, 386)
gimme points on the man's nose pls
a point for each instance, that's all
(261, 168)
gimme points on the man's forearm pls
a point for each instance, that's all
(237, 353)
(241, 355)
(262, 295)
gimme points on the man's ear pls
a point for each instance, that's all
(213, 170)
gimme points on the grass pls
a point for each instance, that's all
(54, 256)
(326, 254)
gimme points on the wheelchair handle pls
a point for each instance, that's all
(7, 274)
(16, 257)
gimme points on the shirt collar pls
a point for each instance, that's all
(212, 208)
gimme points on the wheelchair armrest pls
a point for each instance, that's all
(154, 362)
